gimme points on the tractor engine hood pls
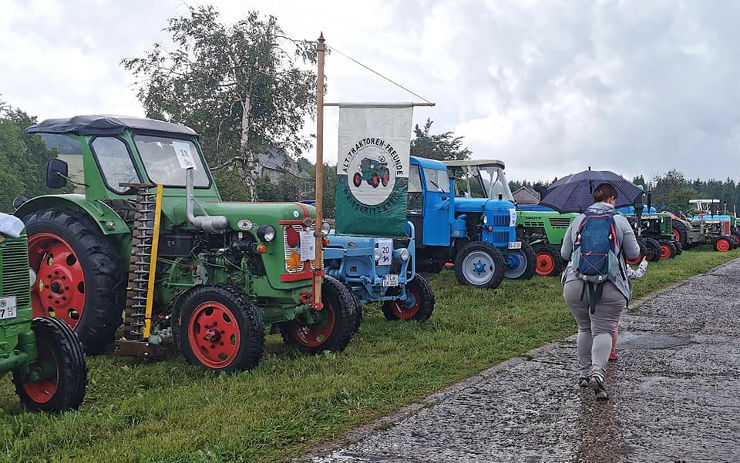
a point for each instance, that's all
(256, 213)
(481, 204)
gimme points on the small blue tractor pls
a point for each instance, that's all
(478, 235)
(381, 270)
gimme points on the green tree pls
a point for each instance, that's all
(244, 87)
(23, 158)
(443, 146)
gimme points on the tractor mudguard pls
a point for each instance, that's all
(106, 218)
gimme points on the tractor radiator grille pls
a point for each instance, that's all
(500, 220)
(534, 224)
(14, 260)
(501, 236)
(560, 222)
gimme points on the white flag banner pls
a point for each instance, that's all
(373, 168)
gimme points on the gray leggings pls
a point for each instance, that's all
(595, 330)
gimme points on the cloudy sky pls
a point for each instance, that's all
(550, 87)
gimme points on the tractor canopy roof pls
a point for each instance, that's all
(106, 125)
(475, 163)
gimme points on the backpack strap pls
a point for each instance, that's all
(595, 290)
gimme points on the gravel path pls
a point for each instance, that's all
(675, 396)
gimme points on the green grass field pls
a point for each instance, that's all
(171, 411)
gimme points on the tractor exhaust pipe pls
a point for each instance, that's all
(210, 224)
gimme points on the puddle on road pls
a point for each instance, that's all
(650, 340)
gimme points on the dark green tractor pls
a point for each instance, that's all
(152, 239)
(45, 356)
(374, 172)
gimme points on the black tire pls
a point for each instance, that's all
(527, 263)
(669, 247)
(722, 243)
(357, 179)
(652, 250)
(735, 238)
(490, 258)
(337, 322)
(201, 341)
(104, 284)
(680, 232)
(423, 305)
(548, 260)
(65, 389)
(679, 247)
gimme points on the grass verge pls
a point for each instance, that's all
(171, 411)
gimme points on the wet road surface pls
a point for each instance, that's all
(674, 396)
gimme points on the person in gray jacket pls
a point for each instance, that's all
(595, 330)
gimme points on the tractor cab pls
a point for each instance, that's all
(480, 179)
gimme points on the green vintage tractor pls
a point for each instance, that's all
(45, 356)
(152, 239)
(545, 231)
(374, 172)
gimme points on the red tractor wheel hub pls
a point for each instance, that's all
(404, 312)
(665, 251)
(545, 264)
(319, 332)
(44, 390)
(59, 290)
(213, 334)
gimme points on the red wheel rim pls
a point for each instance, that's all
(665, 251)
(386, 177)
(400, 310)
(545, 264)
(213, 334)
(636, 260)
(723, 245)
(676, 234)
(376, 180)
(357, 179)
(60, 281)
(44, 390)
(318, 333)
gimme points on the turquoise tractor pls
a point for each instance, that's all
(374, 172)
(43, 353)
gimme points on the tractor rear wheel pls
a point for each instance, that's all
(220, 329)
(667, 249)
(419, 306)
(479, 264)
(375, 180)
(333, 325)
(679, 247)
(549, 261)
(61, 361)
(385, 178)
(722, 244)
(652, 250)
(357, 179)
(736, 238)
(79, 275)
(520, 263)
(680, 232)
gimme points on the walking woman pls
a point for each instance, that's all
(596, 322)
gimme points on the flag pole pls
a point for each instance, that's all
(320, 50)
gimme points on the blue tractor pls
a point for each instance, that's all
(477, 235)
(381, 270)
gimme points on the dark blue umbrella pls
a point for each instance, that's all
(574, 193)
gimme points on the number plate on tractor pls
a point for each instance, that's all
(390, 280)
(515, 245)
(8, 306)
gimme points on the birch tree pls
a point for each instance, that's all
(244, 88)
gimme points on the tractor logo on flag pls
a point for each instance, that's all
(374, 172)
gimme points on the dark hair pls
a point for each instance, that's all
(604, 191)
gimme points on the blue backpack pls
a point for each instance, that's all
(595, 253)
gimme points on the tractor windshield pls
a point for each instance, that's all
(166, 160)
(494, 183)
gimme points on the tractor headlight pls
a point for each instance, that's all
(405, 254)
(266, 233)
(378, 253)
(485, 219)
(325, 228)
(32, 276)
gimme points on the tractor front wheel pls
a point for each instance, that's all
(375, 180)
(638, 259)
(220, 329)
(357, 179)
(549, 261)
(332, 327)
(667, 250)
(385, 178)
(419, 305)
(722, 244)
(79, 275)
(520, 263)
(479, 264)
(61, 366)
(652, 250)
(735, 238)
